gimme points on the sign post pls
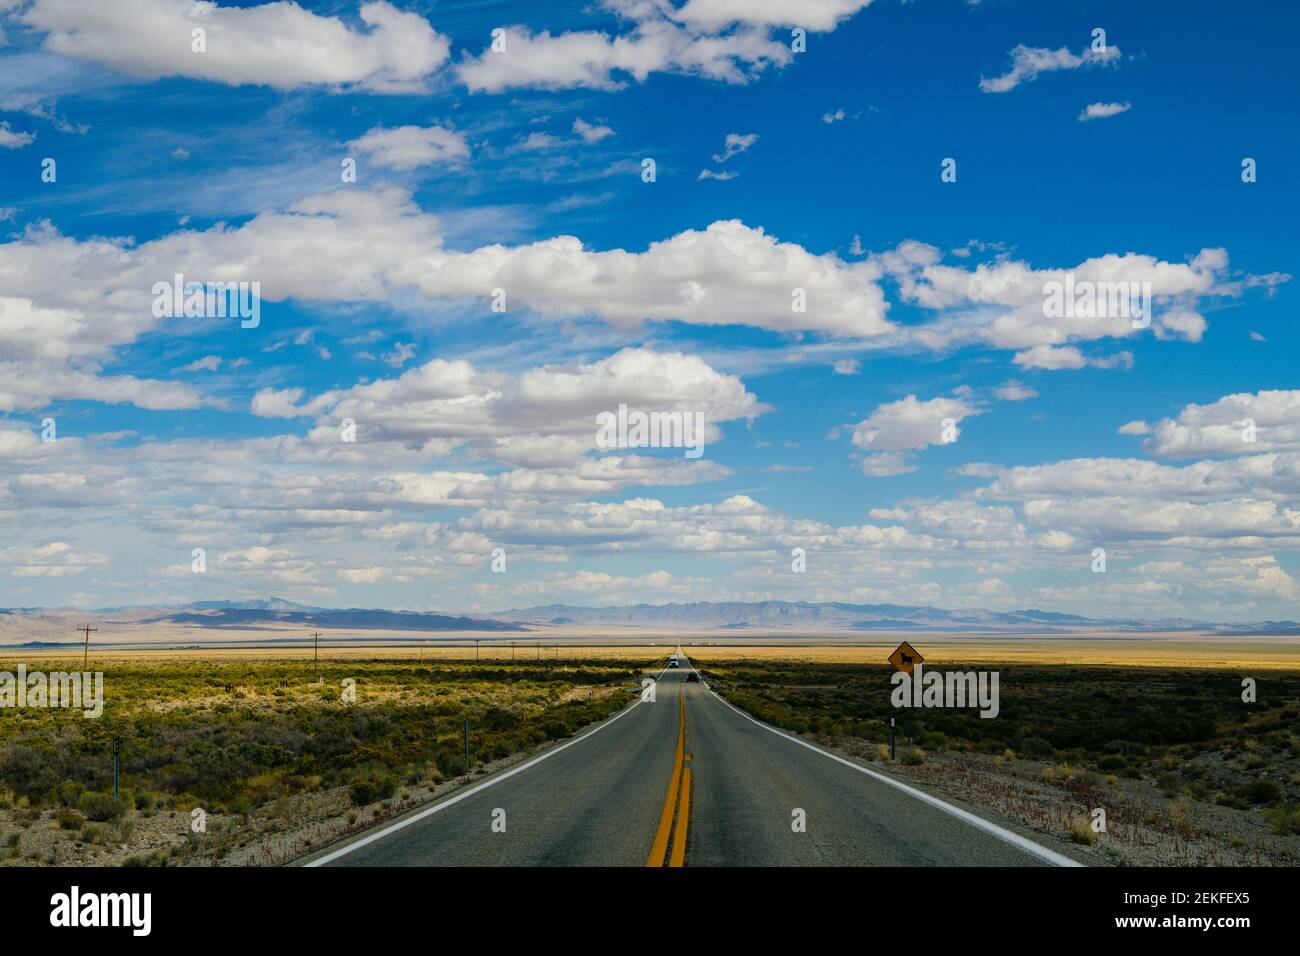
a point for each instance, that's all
(905, 658)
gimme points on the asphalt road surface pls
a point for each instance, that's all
(739, 794)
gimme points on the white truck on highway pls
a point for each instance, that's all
(673, 660)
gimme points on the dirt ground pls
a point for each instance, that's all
(1144, 827)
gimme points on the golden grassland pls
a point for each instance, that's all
(532, 654)
(1268, 653)
(1275, 654)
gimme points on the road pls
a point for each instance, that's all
(736, 793)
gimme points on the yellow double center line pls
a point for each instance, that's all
(679, 795)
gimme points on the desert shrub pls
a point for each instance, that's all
(555, 729)
(1262, 791)
(371, 789)
(913, 756)
(1084, 780)
(386, 786)
(101, 807)
(362, 792)
(1081, 831)
(1170, 784)
(69, 819)
(70, 792)
(1284, 819)
(1036, 747)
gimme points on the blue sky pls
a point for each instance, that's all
(1107, 160)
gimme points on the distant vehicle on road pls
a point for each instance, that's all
(693, 677)
(672, 661)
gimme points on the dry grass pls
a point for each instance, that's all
(1274, 653)
(522, 654)
(1279, 653)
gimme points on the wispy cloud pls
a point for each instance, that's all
(1027, 63)
(1102, 110)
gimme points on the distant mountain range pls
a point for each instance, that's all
(232, 614)
(835, 616)
(760, 616)
(251, 615)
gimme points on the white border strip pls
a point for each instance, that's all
(1007, 836)
(492, 781)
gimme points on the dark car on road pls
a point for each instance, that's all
(693, 677)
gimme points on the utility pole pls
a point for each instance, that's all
(512, 650)
(467, 750)
(315, 657)
(476, 640)
(117, 764)
(86, 654)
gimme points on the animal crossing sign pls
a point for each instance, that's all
(905, 657)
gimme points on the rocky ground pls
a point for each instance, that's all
(1144, 825)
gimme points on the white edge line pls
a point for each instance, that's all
(1007, 836)
(429, 811)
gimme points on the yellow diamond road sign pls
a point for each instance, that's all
(905, 657)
